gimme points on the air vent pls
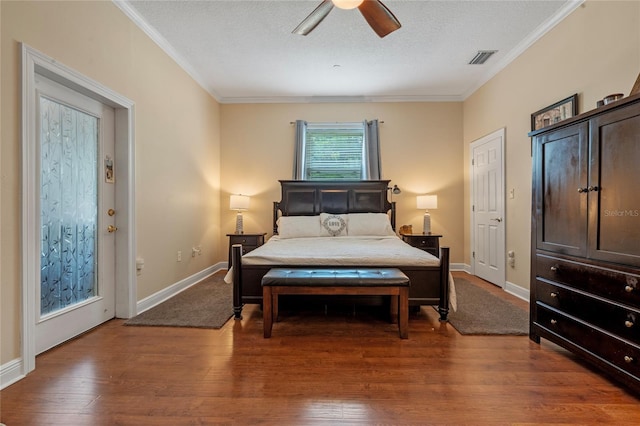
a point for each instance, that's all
(481, 57)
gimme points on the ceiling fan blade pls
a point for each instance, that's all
(314, 18)
(379, 17)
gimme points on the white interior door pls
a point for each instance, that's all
(488, 233)
(77, 217)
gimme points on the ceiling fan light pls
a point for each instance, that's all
(347, 4)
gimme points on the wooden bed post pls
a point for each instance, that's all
(276, 207)
(236, 265)
(443, 307)
(393, 215)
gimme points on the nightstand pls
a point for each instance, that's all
(427, 242)
(249, 242)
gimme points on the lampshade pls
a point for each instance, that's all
(426, 202)
(239, 202)
(347, 4)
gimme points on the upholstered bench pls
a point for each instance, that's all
(347, 281)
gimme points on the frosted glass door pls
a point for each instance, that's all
(78, 219)
(69, 206)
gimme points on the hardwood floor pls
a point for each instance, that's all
(314, 370)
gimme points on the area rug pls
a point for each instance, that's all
(208, 304)
(480, 312)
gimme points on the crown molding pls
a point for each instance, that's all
(337, 99)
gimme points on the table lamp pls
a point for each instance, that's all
(427, 202)
(239, 203)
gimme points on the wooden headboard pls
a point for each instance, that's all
(309, 198)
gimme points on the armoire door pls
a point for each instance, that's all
(561, 205)
(614, 196)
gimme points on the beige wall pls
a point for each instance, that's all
(421, 149)
(177, 142)
(593, 52)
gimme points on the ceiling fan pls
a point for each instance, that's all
(379, 17)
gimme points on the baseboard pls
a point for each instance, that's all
(10, 373)
(168, 292)
(516, 290)
(460, 267)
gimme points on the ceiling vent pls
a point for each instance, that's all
(481, 57)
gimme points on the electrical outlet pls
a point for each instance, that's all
(512, 193)
(179, 256)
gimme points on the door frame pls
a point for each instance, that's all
(501, 133)
(35, 62)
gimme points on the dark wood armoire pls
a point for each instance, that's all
(585, 240)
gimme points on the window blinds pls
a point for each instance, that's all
(334, 151)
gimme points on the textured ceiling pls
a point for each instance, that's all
(244, 51)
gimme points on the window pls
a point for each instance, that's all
(336, 151)
(333, 151)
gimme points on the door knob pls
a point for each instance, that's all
(111, 212)
(497, 219)
(111, 228)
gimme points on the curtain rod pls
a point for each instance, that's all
(293, 122)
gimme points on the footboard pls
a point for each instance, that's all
(429, 285)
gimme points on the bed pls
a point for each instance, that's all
(355, 228)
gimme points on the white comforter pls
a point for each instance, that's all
(384, 251)
(339, 251)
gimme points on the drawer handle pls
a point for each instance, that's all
(553, 294)
(628, 288)
(628, 324)
(554, 322)
(554, 269)
(628, 359)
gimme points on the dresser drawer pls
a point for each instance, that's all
(615, 285)
(249, 240)
(614, 318)
(607, 348)
(425, 243)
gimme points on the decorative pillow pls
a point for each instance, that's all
(375, 224)
(333, 225)
(298, 226)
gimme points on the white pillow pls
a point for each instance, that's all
(376, 224)
(333, 225)
(298, 226)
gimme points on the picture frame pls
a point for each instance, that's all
(555, 113)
